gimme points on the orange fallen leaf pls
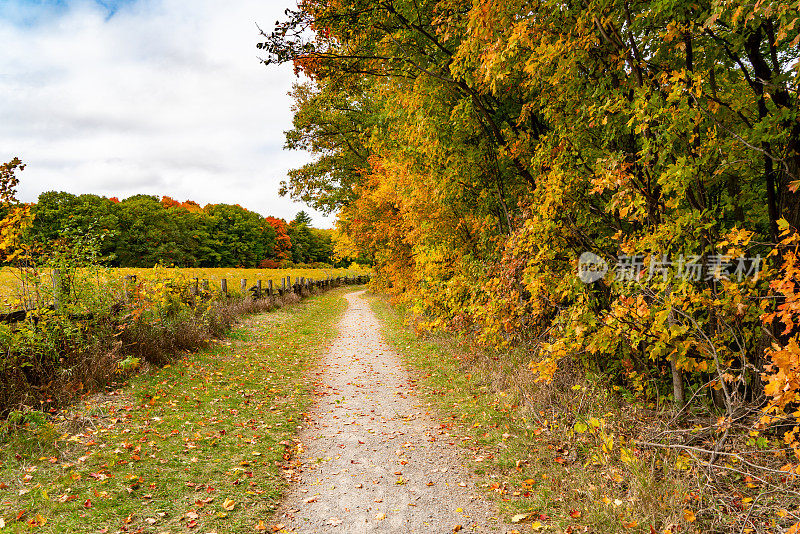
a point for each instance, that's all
(37, 521)
(689, 516)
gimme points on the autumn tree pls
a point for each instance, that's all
(475, 151)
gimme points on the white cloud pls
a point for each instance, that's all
(163, 97)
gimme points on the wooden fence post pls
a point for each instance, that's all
(223, 287)
(195, 289)
(205, 284)
(269, 288)
(283, 286)
(243, 287)
(126, 292)
(258, 289)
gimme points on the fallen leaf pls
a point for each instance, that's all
(37, 521)
(229, 504)
(380, 517)
(575, 514)
(689, 516)
(519, 517)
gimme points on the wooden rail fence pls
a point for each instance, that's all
(303, 287)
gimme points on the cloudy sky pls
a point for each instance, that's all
(164, 97)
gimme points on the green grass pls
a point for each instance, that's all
(171, 449)
(534, 465)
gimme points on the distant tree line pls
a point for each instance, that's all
(143, 230)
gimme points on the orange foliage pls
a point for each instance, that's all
(189, 205)
(283, 244)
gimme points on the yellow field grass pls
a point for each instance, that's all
(11, 279)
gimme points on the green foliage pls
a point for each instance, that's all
(143, 231)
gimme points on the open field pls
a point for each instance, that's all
(11, 279)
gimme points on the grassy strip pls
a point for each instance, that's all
(556, 460)
(200, 443)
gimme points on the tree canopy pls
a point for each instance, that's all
(143, 230)
(475, 151)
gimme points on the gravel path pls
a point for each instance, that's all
(374, 460)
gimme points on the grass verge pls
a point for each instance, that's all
(555, 457)
(204, 443)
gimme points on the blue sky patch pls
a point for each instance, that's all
(32, 12)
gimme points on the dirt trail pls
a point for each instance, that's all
(374, 459)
